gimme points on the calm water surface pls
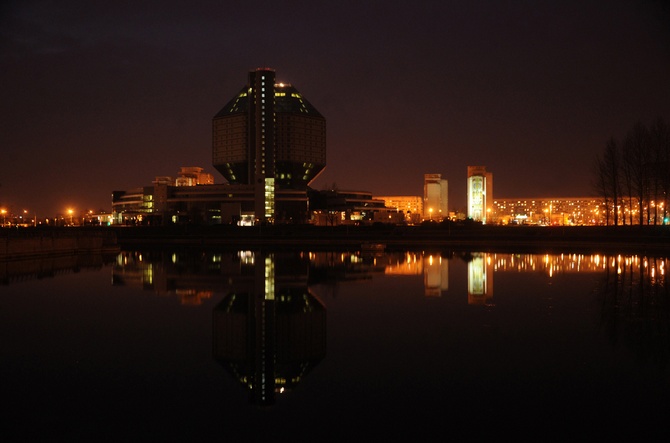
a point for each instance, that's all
(334, 346)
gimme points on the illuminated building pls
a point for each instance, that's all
(480, 193)
(268, 136)
(409, 205)
(268, 142)
(435, 197)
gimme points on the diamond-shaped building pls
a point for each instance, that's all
(268, 142)
(269, 130)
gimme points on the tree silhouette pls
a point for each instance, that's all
(635, 174)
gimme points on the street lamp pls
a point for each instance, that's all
(3, 212)
(430, 213)
(70, 211)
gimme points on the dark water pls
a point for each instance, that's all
(206, 346)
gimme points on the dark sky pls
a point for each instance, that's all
(101, 96)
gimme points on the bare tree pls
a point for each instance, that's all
(627, 183)
(612, 160)
(607, 182)
(659, 134)
(636, 155)
(636, 174)
(600, 184)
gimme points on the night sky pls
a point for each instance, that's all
(102, 96)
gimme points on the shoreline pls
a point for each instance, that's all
(648, 239)
(29, 242)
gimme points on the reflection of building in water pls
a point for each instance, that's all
(409, 263)
(433, 267)
(435, 275)
(17, 269)
(269, 329)
(195, 278)
(480, 279)
(170, 274)
(270, 334)
(341, 266)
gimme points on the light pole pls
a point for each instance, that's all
(70, 211)
(3, 212)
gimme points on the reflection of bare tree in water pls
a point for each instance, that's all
(635, 306)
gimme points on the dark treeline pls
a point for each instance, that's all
(633, 175)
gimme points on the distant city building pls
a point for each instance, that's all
(435, 197)
(480, 193)
(188, 176)
(548, 211)
(409, 205)
(342, 207)
(192, 176)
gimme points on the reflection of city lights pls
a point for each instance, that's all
(573, 263)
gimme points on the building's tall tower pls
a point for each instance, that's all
(480, 193)
(268, 136)
(261, 141)
(435, 197)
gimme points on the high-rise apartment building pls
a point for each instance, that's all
(551, 211)
(435, 197)
(268, 136)
(480, 193)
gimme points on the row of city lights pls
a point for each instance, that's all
(9, 219)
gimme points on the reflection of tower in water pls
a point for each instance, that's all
(270, 334)
(435, 275)
(480, 279)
